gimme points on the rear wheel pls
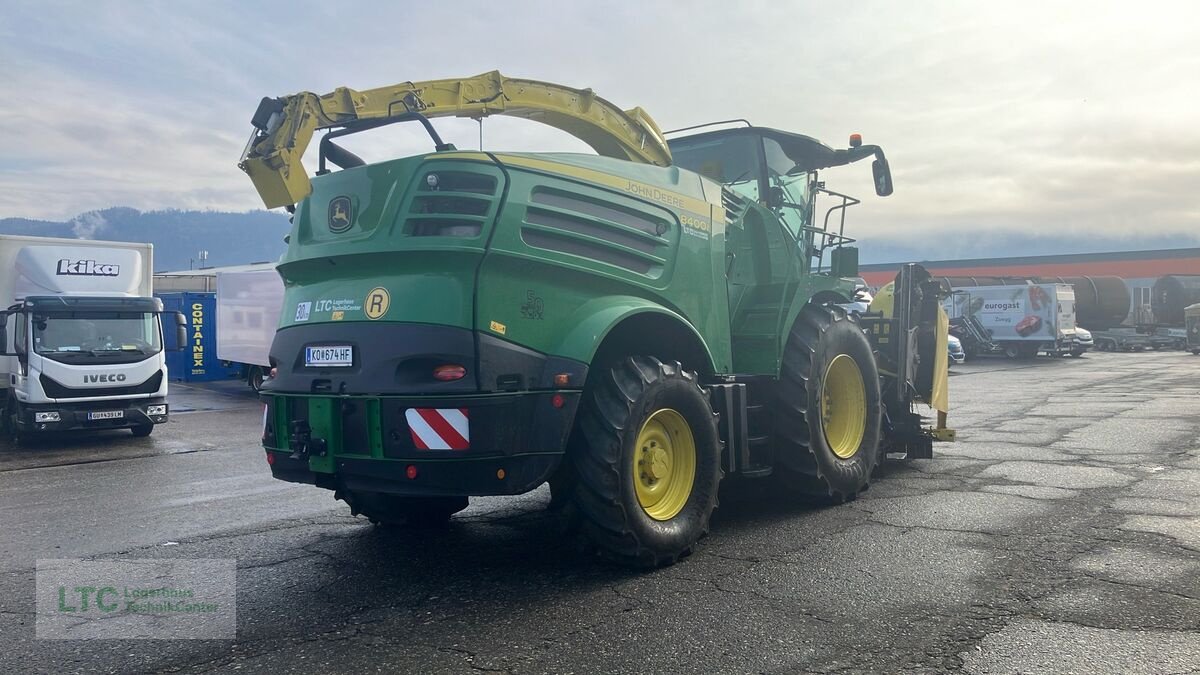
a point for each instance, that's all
(255, 378)
(828, 409)
(397, 510)
(648, 464)
(1023, 352)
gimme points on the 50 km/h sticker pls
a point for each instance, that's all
(377, 303)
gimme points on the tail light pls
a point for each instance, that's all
(449, 372)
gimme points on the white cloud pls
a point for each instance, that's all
(1021, 116)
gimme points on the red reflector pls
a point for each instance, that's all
(411, 471)
(558, 401)
(449, 373)
(270, 458)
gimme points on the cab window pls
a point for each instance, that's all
(731, 160)
(792, 191)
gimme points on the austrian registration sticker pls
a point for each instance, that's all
(329, 356)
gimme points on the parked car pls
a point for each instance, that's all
(957, 355)
(1083, 341)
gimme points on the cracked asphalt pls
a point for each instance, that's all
(1061, 533)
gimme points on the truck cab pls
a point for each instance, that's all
(82, 347)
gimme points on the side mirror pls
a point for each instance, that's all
(4, 335)
(883, 177)
(775, 197)
(181, 336)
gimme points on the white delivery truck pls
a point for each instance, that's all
(248, 307)
(82, 337)
(1020, 320)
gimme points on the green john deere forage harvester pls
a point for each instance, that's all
(630, 326)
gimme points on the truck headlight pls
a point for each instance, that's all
(46, 417)
(156, 409)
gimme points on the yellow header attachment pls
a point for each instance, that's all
(285, 126)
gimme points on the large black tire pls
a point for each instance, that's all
(142, 430)
(616, 411)
(396, 510)
(821, 334)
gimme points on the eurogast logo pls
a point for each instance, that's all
(1000, 306)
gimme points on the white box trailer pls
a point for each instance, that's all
(248, 306)
(1020, 320)
(82, 336)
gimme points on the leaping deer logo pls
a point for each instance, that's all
(339, 214)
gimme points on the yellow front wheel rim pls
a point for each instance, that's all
(664, 464)
(843, 406)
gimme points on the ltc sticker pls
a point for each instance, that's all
(377, 303)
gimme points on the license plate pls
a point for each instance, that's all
(106, 415)
(332, 355)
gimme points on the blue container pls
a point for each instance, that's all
(198, 361)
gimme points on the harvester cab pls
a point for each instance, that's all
(630, 326)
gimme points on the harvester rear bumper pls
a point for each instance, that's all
(406, 445)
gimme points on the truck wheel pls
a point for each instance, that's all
(255, 378)
(649, 463)
(12, 433)
(396, 510)
(142, 430)
(828, 408)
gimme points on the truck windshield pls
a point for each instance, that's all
(118, 336)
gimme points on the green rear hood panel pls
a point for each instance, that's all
(566, 247)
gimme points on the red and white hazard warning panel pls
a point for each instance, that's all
(439, 428)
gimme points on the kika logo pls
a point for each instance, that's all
(87, 268)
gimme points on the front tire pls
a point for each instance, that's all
(12, 433)
(828, 408)
(142, 430)
(649, 463)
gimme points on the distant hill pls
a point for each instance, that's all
(253, 236)
(229, 238)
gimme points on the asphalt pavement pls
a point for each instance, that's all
(1061, 533)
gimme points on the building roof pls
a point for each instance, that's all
(213, 271)
(1126, 264)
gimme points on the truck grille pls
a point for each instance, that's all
(457, 204)
(607, 233)
(55, 390)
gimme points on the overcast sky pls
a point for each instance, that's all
(1040, 116)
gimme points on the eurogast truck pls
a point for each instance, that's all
(82, 337)
(1020, 320)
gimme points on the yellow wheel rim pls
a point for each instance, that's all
(664, 464)
(843, 406)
